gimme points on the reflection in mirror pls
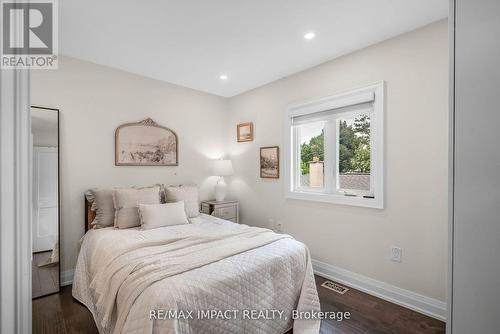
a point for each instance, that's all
(45, 189)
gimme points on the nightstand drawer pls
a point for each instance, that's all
(226, 212)
(205, 208)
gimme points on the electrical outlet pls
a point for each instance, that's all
(396, 253)
(279, 227)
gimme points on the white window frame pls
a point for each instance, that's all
(375, 91)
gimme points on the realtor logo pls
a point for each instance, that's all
(29, 34)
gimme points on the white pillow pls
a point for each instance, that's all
(158, 215)
(186, 193)
(126, 201)
(102, 204)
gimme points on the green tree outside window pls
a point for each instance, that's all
(354, 147)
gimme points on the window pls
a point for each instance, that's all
(334, 148)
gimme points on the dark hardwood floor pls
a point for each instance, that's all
(44, 279)
(59, 313)
(372, 315)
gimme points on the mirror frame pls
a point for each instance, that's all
(58, 192)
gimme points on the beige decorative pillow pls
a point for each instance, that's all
(102, 204)
(186, 193)
(159, 215)
(126, 201)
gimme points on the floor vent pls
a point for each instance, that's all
(335, 287)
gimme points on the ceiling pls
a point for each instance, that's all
(192, 42)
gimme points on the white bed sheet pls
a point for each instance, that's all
(277, 276)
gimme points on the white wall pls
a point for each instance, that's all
(415, 69)
(44, 128)
(94, 100)
(44, 139)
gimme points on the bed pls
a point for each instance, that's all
(209, 276)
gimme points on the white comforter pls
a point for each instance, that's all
(211, 264)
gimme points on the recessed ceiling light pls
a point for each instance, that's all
(223, 77)
(309, 35)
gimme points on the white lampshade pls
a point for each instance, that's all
(222, 168)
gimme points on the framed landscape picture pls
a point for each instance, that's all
(270, 162)
(245, 132)
(145, 144)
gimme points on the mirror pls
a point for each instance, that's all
(45, 189)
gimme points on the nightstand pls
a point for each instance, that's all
(227, 210)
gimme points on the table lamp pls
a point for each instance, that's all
(221, 168)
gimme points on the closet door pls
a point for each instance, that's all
(45, 201)
(476, 196)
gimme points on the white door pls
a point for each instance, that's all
(45, 198)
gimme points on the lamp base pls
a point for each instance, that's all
(220, 190)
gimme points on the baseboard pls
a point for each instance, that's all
(67, 277)
(414, 301)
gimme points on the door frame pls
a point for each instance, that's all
(15, 202)
(451, 166)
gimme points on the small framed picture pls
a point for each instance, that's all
(270, 162)
(245, 132)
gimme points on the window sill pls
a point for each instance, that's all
(336, 199)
